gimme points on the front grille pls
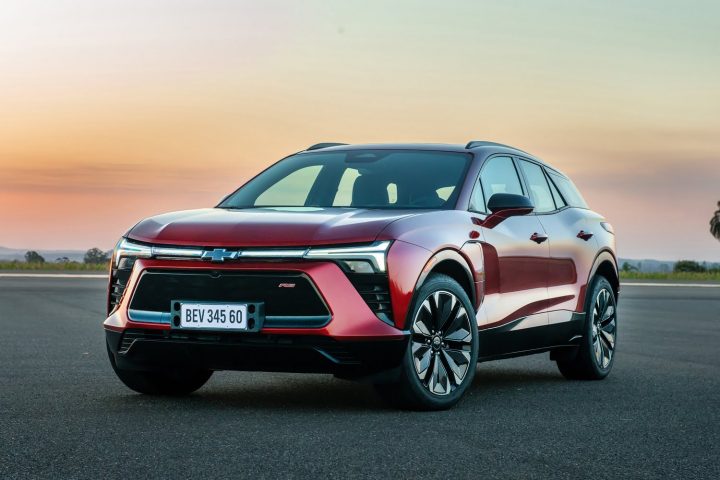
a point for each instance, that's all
(375, 290)
(285, 294)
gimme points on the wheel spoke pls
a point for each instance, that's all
(439, 380)
(608, 314)
(423, 321)
(459, 329)
(608, 338)
(458, 362)
(421, 356)
(449, 314)
(435, 309)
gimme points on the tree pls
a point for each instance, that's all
(95, 255)
(33, 257)
(715, 223)
(62, 260)
(626, 267)
(688, 266)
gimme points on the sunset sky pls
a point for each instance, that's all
(111, 111)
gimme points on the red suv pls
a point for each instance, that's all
(403, 265)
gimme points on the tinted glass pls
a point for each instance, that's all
(358, 179)
(499, 176)
(568, 190)
(559, 202)
(538, 186)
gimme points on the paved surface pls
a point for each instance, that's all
(64, 415)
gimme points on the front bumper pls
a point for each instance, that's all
(353, 342)
(170, 349)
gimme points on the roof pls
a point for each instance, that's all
(474, 147)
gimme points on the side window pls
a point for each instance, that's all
(559, 202)
(477, 201)
(292, 190)
(499, 176)
(568, 190)
(538, 186)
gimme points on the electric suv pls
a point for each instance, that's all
(402, 265)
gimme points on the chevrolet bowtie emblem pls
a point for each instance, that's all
(219, 255)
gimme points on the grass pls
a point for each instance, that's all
(690, 276)
(55, 267)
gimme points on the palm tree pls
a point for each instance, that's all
(715, 223)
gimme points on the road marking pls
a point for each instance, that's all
(51, 275)
(694, 285)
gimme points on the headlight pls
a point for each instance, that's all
(364, 259)
(127, 249)
(360, 259)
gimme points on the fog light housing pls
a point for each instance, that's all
(358, 266)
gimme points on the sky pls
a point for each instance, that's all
(111, 111)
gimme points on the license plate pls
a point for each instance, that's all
(224, 316)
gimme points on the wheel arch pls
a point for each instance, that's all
(453, 264)
(605, 264)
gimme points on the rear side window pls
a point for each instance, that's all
(568, 190)
(559, 202)
(538, 186)
(499, 176)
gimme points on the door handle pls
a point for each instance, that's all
(584, 235)
(538, 237)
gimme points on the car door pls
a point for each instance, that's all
(516, 266)
(572, 250)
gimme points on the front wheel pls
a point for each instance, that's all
(596, 354)
(442, 352)
(173, 382)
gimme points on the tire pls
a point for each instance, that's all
(174, 382)
(441, 357)
(596, 354)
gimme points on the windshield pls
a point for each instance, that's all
(387, 179)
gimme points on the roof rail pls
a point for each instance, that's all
(482, 143)
(318, 146)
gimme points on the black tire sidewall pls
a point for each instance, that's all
(598, 284)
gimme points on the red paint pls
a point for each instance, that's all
(211, 227)
(352, 319)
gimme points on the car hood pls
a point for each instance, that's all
(211, 227)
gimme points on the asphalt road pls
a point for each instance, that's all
(63, 414)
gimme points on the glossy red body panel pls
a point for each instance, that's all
(571, 257)
(265, 227)
(352, 319)
(516, 269)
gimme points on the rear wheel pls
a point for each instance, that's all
(596, 354)
(442, 353)
(172, 382)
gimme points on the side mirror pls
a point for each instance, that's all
(505, 205)
(519, 204)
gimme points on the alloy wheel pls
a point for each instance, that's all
(441, 343)
(604, 328)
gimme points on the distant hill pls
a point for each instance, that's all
(10, 254)
(657, 266)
